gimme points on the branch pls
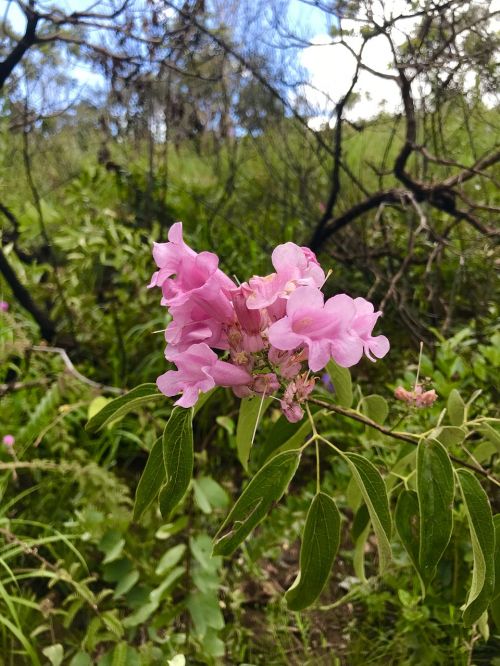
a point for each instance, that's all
(401, 436)
(11, 387)
(337, 155)
(392, 196)
(23, 45)
(73, 371)
(46, 325)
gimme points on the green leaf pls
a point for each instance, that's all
(111, 544)
(118, 655)
(161, 591)
(491, 435)
(320, 543)
(205, 612)
(201, 550)
(212, 644)
(360, 531)
(170, 529)
(178, 458)
(177, 660)
(54, 653)
(407, 522)
(227, 423)
(484, 451)
(265, 488)
(456, 408)
(203, 399)
(496, 525)
(140, 615)
(209, 494)
(482, 532)
(81, 659)
(126, 584)
(374, 494)
(435, 490)
(286, 436)
(375, 407)
(96, 405)
(140, 395)
(251, 411)
(152, 479)
(450, 436)
(342, 383)
(170, 559)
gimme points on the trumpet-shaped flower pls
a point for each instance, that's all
(191, 324)
(363, 324)
(323, 328)
(295, 266)
(198, 370)
(197, 277)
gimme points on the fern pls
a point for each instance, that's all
(42, 415)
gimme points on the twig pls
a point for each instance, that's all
(73, 371)
(11, 387)
(403, 437)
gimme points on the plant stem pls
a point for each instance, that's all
(411, 438)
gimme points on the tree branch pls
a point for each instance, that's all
(401, 436)
(47, 327)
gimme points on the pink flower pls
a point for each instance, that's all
(416, 398)
(321, 327)
(295, 266)
(9, 440)
(250, 322)
(296, 392)
(288, 363)
(266, 383)
(4, 306)
(363, 323)
(198, 371)
(292, 411)
(191, 324)
(271, 327)
(197, 277)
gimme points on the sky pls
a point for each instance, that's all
(330, 67)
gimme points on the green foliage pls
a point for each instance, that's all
(177, 444)
(342, 383)
(372, 488)
(250, 413)
(114, 410)
(320, 543)
(483, 545)
(266, 487)
(435, 491)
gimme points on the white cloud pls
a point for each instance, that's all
(331, 68)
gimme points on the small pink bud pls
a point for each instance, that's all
(402, 394)
(4, 306)
(427, 398)
(416, 398)
(267, 383)
(9, 440)
(293, 411)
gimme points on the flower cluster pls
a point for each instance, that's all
(416, 398)
(272, 332)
